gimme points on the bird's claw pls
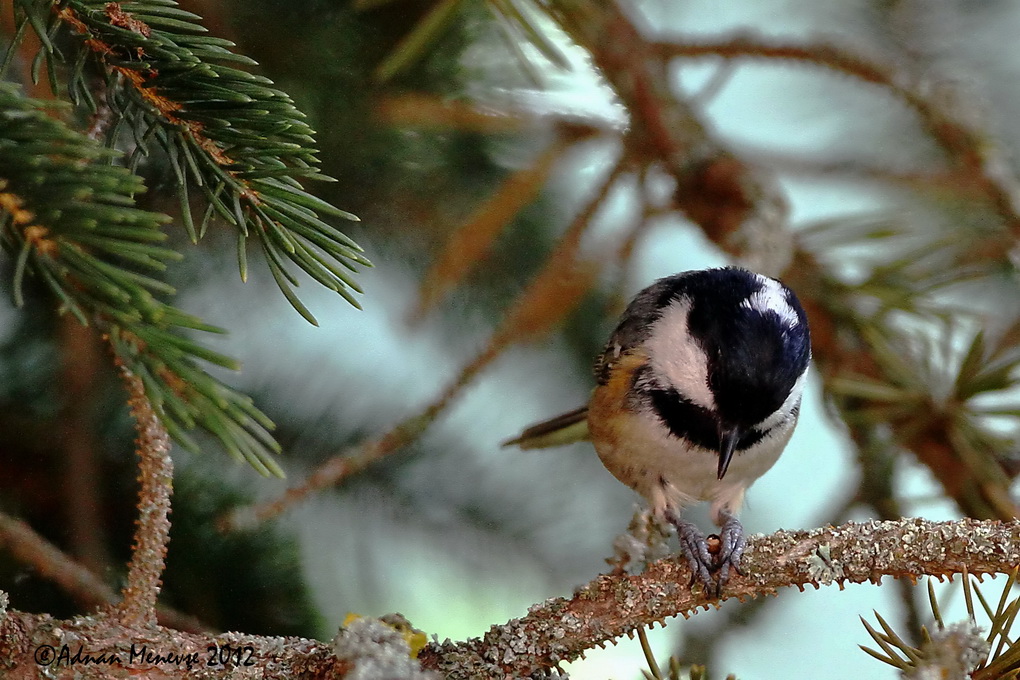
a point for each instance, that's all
(711, 567)
(731, 549)
(695, 549)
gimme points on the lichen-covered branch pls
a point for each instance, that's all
(557, 630)
(37, 645)
(155, 476)
(562, 629)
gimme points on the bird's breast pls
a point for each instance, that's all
(638, 448)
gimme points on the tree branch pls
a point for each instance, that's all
(47, 559)
(155, 475)
(554, 292)
(741, 209)
(561, 629)
(84, 587)
(968, 148)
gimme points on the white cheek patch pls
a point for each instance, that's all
(784, 411)
(771, 298)
(796, 392)
(677, 357)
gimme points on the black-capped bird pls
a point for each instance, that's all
(698, 391)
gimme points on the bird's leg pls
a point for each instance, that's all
(694, 548)
(732, 543)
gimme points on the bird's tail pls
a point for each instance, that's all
(565, 428)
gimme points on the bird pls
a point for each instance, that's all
(698, 391)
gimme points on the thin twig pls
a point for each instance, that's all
(740, 208)
(51, 563)
(152, 533)
(947, 181)
(548, 299)
(433, 112)
(967, 147)
(84, 587)
(646, 648)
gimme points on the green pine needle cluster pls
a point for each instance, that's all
(956, 650)
(69, 218)
(226, 131)
(153, 82)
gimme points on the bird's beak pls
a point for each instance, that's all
(728, 438)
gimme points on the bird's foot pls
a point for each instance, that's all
(731, 548)
(711, 566)
(695, 549)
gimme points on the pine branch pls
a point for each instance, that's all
(228, 132)
(68, 218)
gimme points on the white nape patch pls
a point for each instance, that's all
(676, 357)
(771, 298)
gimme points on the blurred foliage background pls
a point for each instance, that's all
(483, 151)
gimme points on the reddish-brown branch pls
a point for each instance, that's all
(967, 148)
(84, 587)
(468, 245)
(48, 561)
(547, 301)
(739, 208)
